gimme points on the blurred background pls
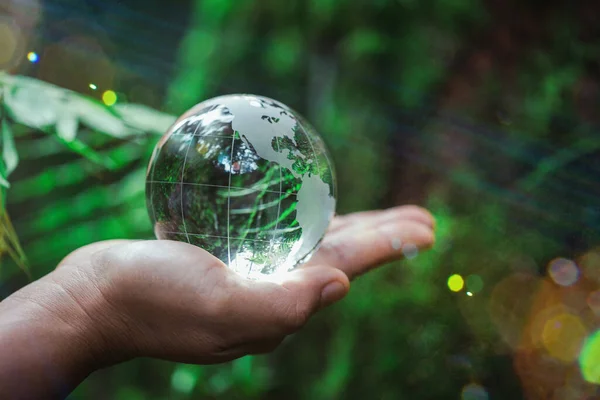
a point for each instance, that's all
(483, 111)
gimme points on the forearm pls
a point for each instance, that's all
(47, 345)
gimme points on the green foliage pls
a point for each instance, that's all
(284, 52)
(29, 105)
(9, 152)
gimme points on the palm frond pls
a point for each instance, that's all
(29, 106)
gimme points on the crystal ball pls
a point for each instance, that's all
(247, 179)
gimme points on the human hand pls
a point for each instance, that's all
(174, 301)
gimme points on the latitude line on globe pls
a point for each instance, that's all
(226, 187)
(202, 235)
(201, 135)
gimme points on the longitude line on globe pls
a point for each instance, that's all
(316, 160)
(279, 204)
(240, 246)
(243, 239)
(312, 147)
(229, 201)
(280, 190)
(182, 183)
(152, 182)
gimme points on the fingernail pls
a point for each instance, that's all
(396, 243)
(333, 292)
(410, 251)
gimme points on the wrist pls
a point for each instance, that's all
(47, 348)
(67, 305)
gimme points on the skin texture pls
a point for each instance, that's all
(116, 300)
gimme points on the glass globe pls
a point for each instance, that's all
(245, 178)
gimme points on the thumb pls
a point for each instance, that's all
(319, 286)
(296, 296)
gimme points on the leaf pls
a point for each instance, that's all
(41, 105)
(98, 117)
(9, 240)
(83, 149)
(12, 243)
(4, 184)
(30, 107)
(3, 181)
(66, 127)
(9, 151)
(145, 118)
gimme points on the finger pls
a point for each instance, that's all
(357, 250)
(411, 213)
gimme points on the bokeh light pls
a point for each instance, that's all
(456, 283)
(474, 391)
(474, 283)
(589, 359)
(109, 98)
(563, 335)
(184, 378)
(33, 57)
(410, 251)
(563, 272)
(93, 87)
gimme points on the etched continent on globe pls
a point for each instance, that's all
(247, 179)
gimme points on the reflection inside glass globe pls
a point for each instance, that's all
(245, 178)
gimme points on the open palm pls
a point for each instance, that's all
(174, 301)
